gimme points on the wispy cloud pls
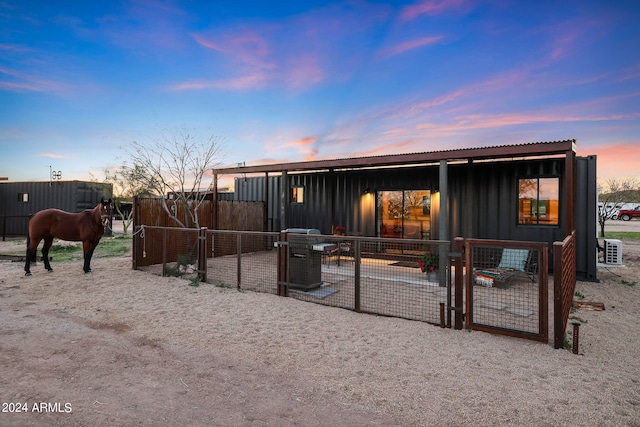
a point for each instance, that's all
(51, 155)
(430, 8)
(305, 146)
(409, 45)
(296, 52)
(12, 48)
(18, 81)
(247, 48)
(251, 81)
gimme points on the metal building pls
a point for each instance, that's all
(529, 192)
(20, 200)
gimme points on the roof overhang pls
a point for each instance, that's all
(535, 149)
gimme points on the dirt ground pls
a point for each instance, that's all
(121, 347)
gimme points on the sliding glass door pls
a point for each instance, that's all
(404, 214)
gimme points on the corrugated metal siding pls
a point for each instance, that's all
(490, 211)
(252, 189)
(483, 199)
(586, 217)
(70, 196)
(494, 209)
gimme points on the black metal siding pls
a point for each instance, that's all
(586, 218)
(70, 196)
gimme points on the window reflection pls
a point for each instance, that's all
(538, 201)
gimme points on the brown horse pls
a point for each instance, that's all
(87, 227)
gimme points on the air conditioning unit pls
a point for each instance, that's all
(612, 251)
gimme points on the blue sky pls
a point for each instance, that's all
(291, 81)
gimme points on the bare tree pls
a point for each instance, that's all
(612, 195)
(127, 182)
(176, 165)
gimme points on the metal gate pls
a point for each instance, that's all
(507, 288)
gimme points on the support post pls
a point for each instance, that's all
(443, 279)
(283, 264)
(284, 200)
(458, 247)
(357, 259)
(239, 258)
(202, 254)
(214, 211)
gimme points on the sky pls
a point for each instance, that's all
(309, 80)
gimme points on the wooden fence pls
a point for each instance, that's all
(149, 211)
(232, 214)
(564, 281)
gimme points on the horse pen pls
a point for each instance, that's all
(124, 347)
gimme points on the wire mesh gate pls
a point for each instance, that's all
(507, 288)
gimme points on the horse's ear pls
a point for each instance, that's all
(101, 199)
(110, 200)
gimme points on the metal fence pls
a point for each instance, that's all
(369, 275)
(500, 285)
(507, 288)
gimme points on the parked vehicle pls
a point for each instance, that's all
(628, 214)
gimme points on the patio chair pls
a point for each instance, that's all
(514, 262)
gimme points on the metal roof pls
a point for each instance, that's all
(407, 159)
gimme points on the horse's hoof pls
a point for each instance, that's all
(28, 273)
(88, 272)
(50, 270)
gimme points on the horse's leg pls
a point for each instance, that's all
(48, 241)
(88, 248)
(31, 255)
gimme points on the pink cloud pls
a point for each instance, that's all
(395, 147)
(305, 146)
(21, 82)
(430, 8)
(251, 81)
(409, 45)
(302, 142)
(614, 160)
(51, 155)
(296, 52)
(245, 47)
(304, 70)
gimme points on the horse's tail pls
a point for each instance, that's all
(32, 256)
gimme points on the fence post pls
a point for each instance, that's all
(458, 248)
(357, 258)
(239, 258)
(164, 251)
(136, 238)
(202, 254)
(558, 322)
(283, 264)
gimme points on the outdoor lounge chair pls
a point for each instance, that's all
(514, 262)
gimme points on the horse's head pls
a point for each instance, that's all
(105, 212)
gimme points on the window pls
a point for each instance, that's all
(23, 197)
(297, 195)
(538, 201)
(404, 214)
